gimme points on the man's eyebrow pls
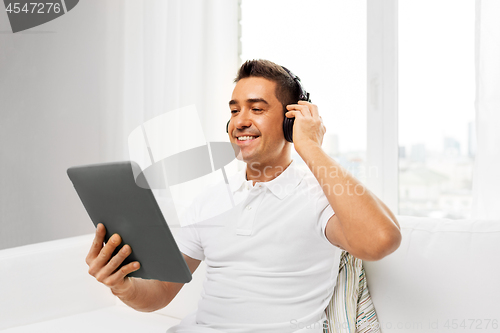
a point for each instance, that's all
(250, 100)
(257, 100)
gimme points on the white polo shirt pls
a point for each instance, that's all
(270, 267)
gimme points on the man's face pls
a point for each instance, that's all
(256, 121)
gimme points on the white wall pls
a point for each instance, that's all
(56, 104)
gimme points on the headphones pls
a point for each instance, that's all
(288, 122)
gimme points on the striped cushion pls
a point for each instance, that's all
(351, 308)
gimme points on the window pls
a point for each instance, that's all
(436, 107)
(416, 117)
(333, 69)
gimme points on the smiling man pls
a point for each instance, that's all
(272, 261)
(262, 91)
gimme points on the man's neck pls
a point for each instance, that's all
(258, 172)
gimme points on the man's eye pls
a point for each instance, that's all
(234, 111)
(255, 109)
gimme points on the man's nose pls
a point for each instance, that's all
(243, 120)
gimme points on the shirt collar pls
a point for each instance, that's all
(280, 186)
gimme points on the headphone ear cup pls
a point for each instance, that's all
(288, 128)
(227, 126)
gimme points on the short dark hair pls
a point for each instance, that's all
(287, 90)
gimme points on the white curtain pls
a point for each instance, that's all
(486, 180)
(178, 54)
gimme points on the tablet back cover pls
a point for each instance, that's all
(110, 195)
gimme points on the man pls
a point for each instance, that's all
(272, 261)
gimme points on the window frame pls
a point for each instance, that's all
(382, 101)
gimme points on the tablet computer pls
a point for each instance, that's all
(111, 196)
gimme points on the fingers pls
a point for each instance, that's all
(302, 109)
(113, 263)
(294, 114)
(104, 255)
(119, 276)
(96, 244)
(314, 110)
(305, 108)
(104, 267)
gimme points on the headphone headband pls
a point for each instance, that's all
(304, 95)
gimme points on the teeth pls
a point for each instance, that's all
(244, 138)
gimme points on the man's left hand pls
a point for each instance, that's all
(308, 127)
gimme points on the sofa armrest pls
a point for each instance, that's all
(444, 270)
(48, 280)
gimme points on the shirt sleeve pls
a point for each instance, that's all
(325, 213)
(187, 238)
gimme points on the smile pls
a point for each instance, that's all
(247, 138)
(243, 141)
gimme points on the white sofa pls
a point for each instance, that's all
(444, 277)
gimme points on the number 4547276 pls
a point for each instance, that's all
(471, 324)
(34, 8)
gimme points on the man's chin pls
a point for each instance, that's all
(242, 158)
(246, 158)
(241, 155)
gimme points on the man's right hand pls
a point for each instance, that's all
(104, 267)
